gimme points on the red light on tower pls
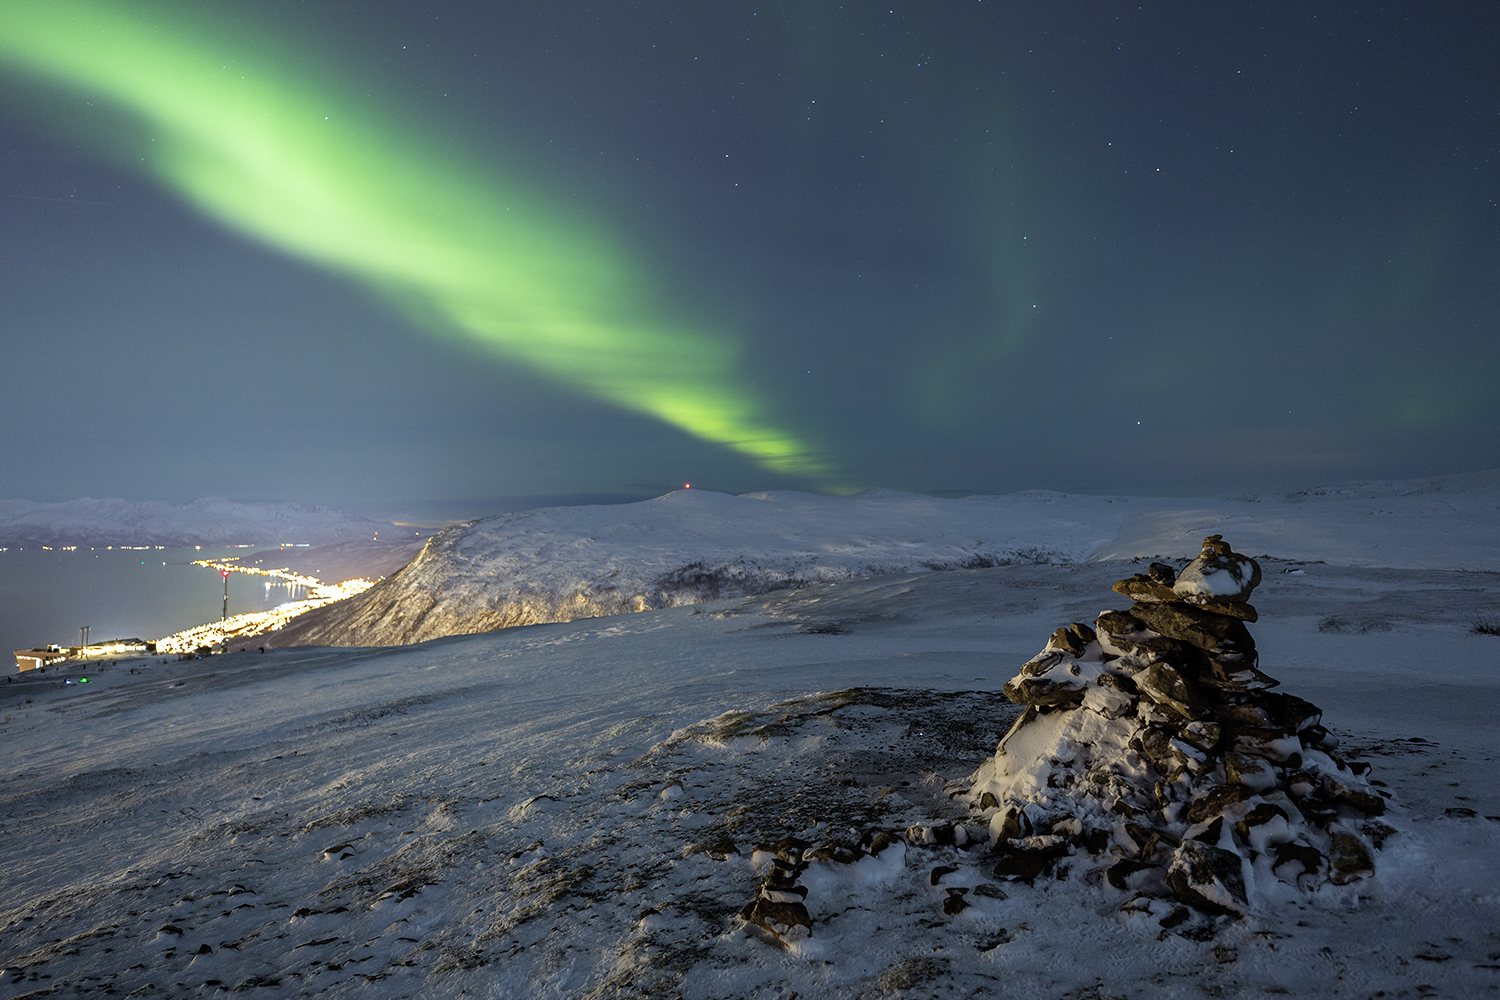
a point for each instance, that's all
(687, 486)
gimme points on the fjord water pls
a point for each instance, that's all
(122, 593)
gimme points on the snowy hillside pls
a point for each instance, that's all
(565, 563)
(583, 809)
(209, 521)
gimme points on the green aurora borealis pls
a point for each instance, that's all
(259, 140)
(487, 249)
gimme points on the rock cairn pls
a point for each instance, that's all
(1154, 738)
(779, 908)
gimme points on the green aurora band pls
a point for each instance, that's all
(283, 154)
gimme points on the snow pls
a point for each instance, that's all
(209, 521)
(689, 546)
(575, 808)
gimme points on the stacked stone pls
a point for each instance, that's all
(779, 909)
(1155, 737)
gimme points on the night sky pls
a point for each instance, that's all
(387, 253)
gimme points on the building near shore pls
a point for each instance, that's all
(43, 656)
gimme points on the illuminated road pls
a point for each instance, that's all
(244, 626)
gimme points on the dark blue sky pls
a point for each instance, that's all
(966, 247)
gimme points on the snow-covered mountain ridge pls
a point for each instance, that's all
(565, 563)
(208, 521)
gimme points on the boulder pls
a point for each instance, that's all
(1290, 712)
(1295, 859)
(1213, 802)
(1044, 692)
(1249, 771)
(1073, 639)
(1234, 609)
(1021, 866)
(1352, 792)
(1142, 588)
(1128, 875)
(783, 921)
(1218, 574)
(1208, 878)
(1204, 629)
(1126, 633)
(1164, 685)
(1050, 678)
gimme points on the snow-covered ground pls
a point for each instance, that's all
(565, 563)
(579, 809)
(209, 521)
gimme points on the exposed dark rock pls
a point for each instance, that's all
(1020, 865)
(1142, 588)
(1045, 692)
(1213, 802)
(1163, 684)
(1129, 634)
(1208, 879)
(1072, 638)
(1304, 856)
(1349, 860)
(1254, 773)
(1234, 609)
(1204, 629)
(781, 920)
(838, 853)
(1127, 875)
(1290, 712)
(936, 875)
(790, 848)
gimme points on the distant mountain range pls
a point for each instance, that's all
(564, 563)
(209, 521)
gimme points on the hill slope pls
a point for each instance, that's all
(575, 809)
(566, 563)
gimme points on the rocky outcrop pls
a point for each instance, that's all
(1153, 737)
